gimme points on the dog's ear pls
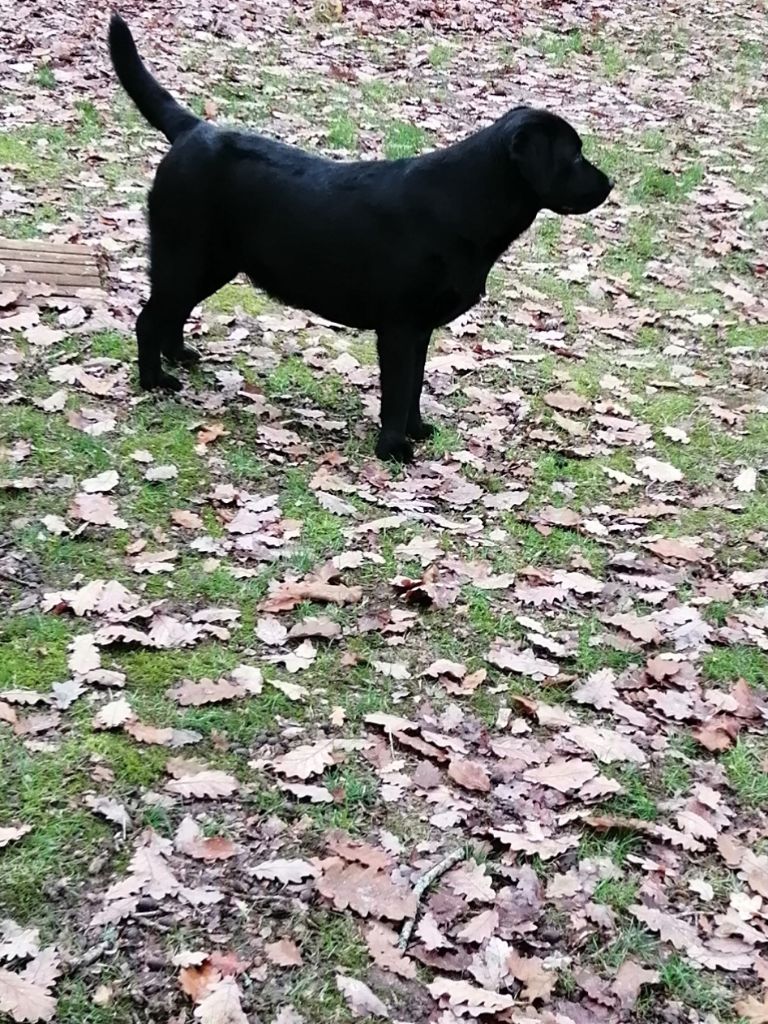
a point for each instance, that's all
(533, 157)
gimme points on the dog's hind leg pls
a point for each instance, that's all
(415, 426)
(180, 279)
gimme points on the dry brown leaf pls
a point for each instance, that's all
(719, 733)
(382, 945)
(222, 1005)
(480, 927)
(12, 833)
(685, 549)
(599, 689)
(342, 845)
(753, 1009)
(186, 519)
(106, 481)
(18, 943)
(538, 982)
(640, 627)
(365, 890)
(654, 469)
(746, 480)
(204, 691)
(629, 979)
(469, 774)
(271, 631)
(84, 655)
(97, 510)
(606, 744)
(566, 401)
(429, 932)
(670, 928)
(361, 1001)
(286, 871)
(113, 715)
(563, 776)
(315, 794)
(288, 595)
(471, 881)
(469, 999)
(192, 779)
(23, 1000)
(110, 809)
(190, 839)
(197, 980)
(306, 760)
(283, 953)
(525, 662)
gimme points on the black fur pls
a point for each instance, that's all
(397, 246)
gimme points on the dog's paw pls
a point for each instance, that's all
(162, 380)
(394, 448)
(421, 431)
(185, 356)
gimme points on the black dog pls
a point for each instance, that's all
(399, 246)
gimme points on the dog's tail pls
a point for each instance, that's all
(154, 102)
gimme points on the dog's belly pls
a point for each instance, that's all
(366, 298)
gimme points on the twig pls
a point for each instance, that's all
(435, 872)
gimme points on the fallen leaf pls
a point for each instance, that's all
(654, 469)
(286, 871)
(283, 953)
(361, 1001)
(97, 510)
(197, 980)
(629, 979)
(154, 474)
(23, 1000)
(84, 655)
(670, 928)
(382, 945)
(469, 774)
(106, 481)
(204, 691)
(222, 1005)
(746, 480)
(365, 890)
(12, 833)
(683, 548)
(192, 780)
(189, 839)
(537, 980)
(288, 595)
(113, 715)
(306, 760)
(469, 999)
(562, 775)
(470, 880)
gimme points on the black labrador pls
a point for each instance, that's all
(398, 246)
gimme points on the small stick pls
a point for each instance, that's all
(435, 872)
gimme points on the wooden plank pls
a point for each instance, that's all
(45, 256)
(66, 268)
(61, 280)
(35, 270)
(33, 245)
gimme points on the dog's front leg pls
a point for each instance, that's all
(398, 354)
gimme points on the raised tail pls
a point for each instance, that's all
(153, 101)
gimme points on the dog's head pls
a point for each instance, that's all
(546, 152)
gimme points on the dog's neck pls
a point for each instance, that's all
(496, 205)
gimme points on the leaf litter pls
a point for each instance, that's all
(496, 653)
